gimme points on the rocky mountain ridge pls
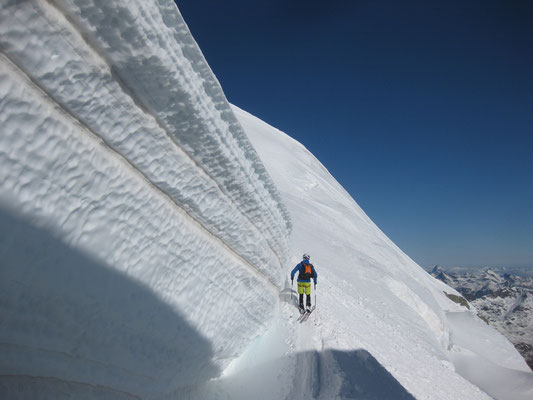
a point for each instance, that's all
(503, 300)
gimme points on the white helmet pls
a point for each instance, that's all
(306, 256)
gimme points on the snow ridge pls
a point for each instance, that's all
(146, 205)
(223, 198)
(72, 193)
(148, 61)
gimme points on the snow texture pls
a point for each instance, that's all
(146, 205)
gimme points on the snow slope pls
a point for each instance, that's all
(145, 245)
(132, 204)
(374, 302)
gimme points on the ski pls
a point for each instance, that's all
(306, 315)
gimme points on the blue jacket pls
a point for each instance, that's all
(300, 269)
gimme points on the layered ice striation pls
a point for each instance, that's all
(143, 242)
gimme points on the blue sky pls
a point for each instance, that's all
(422, 110)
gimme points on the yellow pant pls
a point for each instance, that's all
(304, 286)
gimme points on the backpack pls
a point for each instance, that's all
(306, 272)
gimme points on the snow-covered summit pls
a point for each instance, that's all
(146, 237)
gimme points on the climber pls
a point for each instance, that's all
(306, 271)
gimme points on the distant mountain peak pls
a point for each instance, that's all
(503, 300)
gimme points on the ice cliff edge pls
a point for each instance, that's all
(132, 204)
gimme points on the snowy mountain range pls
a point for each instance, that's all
(505, 301)
(147, 229)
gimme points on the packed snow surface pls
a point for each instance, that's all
(146, 245)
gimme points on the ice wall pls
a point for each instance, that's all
(137, 219)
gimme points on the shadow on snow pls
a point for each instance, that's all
(365, 378)
(70, 323)
(330, 374)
